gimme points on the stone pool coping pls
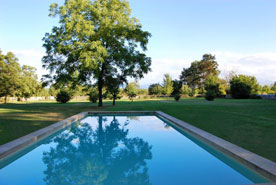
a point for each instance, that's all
(261, 165)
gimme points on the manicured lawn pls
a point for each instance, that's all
(250, 124)
(17, 120)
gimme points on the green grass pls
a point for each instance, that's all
(250, 124)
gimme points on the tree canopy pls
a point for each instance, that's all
(9, 74)
(155, 89)
(243, 86)
(95, 39)
(28, 82)
(197, 73)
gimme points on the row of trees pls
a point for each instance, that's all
(202, 78)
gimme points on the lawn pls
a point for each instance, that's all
(250, 124)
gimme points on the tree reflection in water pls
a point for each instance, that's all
(101, 156)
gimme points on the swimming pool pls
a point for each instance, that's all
(123, 149)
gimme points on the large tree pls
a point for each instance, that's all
(28, 82)
(197, 73)
(94, 39)
(9, 74)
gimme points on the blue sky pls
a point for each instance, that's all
(241, 33)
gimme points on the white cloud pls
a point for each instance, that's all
(160, 67)
(261, 65)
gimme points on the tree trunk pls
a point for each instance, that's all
(5, 99)
(100, 87)
(114, 99)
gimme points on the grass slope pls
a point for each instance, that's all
(250, 124)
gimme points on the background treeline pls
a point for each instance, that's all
(200, 79)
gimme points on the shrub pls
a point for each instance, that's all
(93, 97)
(177, 97)
(63, 96)
(211, 85)
(132, 90)
(210, 95)
(241, 86)
(93, 94)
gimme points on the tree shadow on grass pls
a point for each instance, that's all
(17, 120)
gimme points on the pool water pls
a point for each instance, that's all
(123, 150)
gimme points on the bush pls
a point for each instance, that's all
(177, 97)
(63, 96)
(210, 95)
(242, 86)
(211, 86)
(93, 96)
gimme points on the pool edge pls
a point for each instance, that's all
(263, 166)
(260, 164)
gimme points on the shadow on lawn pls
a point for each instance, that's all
(17, 120)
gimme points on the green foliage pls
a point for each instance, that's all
(177, 97)
(9, 75)
(167, 85)
(211, 86)
(186, 90)
(243, 86)
(113, 86)
(266, 90)
(177, 85)
(155, 89)
(143, 92)
(93, 40)
(28, 82)
(42, 92)
(210, 95)
(93, 96)
(63, 96)
(273, 87)
(222, 87)
(197, 73)
(132, 90)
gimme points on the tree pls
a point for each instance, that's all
(273, 87)
(211, 86)
(93, 95)
(197, 73)
(155, 89)
(9, 74)
(94, 39)
(177, 85)
(167, 85)
(113, 87)
(132, 90)
(242, 86)
(28, 82)
(266, 89)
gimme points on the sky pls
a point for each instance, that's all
(240, 33)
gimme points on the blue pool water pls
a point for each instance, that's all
(123, 150)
